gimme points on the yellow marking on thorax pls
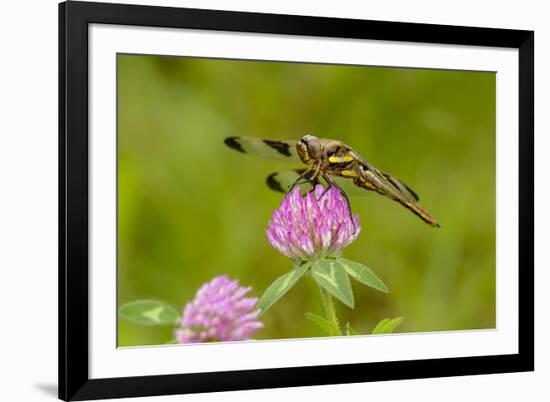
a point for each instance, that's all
(340, 159)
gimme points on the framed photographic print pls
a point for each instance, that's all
(257, 200)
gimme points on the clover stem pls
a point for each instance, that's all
(330, 311)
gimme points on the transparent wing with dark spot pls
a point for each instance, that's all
(281, 181)
(283, 150)
(399, 188)
(402, 187)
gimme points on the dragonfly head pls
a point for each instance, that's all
(309, 149)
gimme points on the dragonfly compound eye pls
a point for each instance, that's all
(313, 146)
(309, 149)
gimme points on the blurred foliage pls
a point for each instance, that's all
(189, 208)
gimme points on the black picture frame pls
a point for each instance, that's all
(74, 18)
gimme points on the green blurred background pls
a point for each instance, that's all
(189, 208)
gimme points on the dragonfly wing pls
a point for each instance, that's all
(284, 150)
(281, 182)
(391, 187)
(396, 187)
(402, 187)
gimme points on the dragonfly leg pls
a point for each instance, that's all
(302, 179)
(332, 183)
(324, 192)
(307, 177)
(298, 183)
(314, 181)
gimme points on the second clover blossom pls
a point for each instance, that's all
(313, 226)
(219, 312)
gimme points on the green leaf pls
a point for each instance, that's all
(363, 274)
(378, 328)
(350, 330)
(280, 286)
(387, 326)
(392, 324)
(149, 312)
(321, 323)
(332, 276)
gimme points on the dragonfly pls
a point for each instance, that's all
(331, 163)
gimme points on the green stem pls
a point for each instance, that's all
(330, 311)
